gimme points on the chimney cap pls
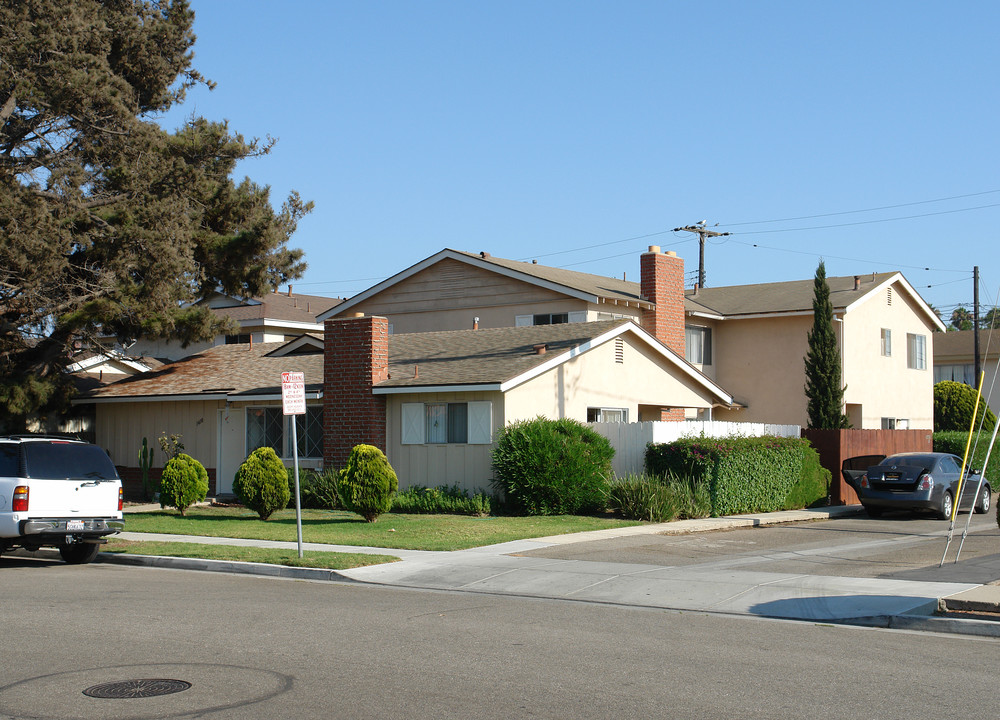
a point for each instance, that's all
(654, 248)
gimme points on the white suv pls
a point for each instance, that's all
(57, 492)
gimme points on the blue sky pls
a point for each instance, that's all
(579, 133)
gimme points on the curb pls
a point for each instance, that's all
(226, 566)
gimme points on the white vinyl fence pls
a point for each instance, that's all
(630, 439)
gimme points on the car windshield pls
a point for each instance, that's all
(61, 460)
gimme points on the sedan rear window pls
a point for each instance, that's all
(61, 460)
(913, 461)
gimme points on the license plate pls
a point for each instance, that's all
(892, 477)
(74, 525)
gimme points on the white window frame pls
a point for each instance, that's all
(599, 412)
(703, 334)
(479, 423)
(886, 342)
(916, 351)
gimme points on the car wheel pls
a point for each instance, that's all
(874, 511)
(944, 511)
(79, 553)
(983, 506)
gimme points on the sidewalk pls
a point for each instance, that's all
(499, 569)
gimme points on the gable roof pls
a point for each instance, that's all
(584, 286)
(796, 297)
(503, 358)
(239, 372)
(959, 345)
(497, 359)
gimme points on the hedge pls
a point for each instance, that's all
(954, 442)
(744, 474)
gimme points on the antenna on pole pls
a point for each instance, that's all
(703, 232)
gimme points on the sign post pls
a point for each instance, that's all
(293, 402)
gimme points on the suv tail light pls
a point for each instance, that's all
(121, 499)
(20, 503)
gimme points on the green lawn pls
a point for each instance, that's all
(393, 530)
(271, 556)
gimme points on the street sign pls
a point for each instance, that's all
(293, 393)
(293, 402)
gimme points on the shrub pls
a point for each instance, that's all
(954, 403)
(367, 484)
(261, 483)
(183, 483)
(441, 499)
(743, 474)
(641, 497)
(813, 486)
(552, 467)
(954, 443)
(316, 490)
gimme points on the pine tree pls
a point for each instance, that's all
(823, 371)
(111, 226)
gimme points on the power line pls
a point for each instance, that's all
(840, 257)
(872, 222)
(874, 209)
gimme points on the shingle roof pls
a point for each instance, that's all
(960, 344)
(780, 297)
(604, 287)
(279, 306)
(231, 369)
(471, 357)
(457, 357)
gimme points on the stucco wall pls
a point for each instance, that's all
(595, 379)
(885, 386)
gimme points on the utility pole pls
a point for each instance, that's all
(703, 232)
(975, 320)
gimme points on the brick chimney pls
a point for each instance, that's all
(662, 283)
(355, 358)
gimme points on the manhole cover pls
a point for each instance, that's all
(150, 687)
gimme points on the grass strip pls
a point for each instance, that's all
(270, 556)
(393, 530)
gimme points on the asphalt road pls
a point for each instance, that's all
(257, 647)
(899, 546)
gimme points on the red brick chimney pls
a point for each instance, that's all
(355, 358)
(662, 283)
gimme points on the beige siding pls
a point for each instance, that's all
(449, 295)
(467, 466)
(122, 426)
(595, 379)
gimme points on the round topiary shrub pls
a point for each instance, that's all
(552, 467)
(954, 404)
(367, 484)
(183, 483)
(261, 483)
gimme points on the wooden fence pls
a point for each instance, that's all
(835, 446)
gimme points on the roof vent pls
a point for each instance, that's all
(484, 254)
(857, 282)
(539, 349)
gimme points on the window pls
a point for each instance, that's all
(916, 351)
(890, 423)
(444, 423)
(268, 427)
(956, 373)
(550, 318)
(886, 342)
(607, 415)
(698, 345)
(243, 339)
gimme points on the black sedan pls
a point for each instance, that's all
(920, 481)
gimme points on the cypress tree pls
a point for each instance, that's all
(823, 372)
